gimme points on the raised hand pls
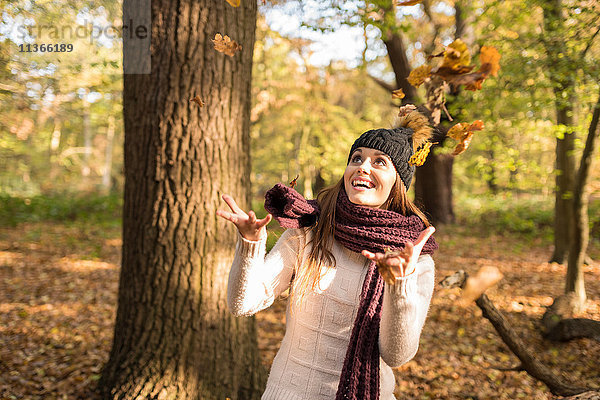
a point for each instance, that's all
(250, 227)
(402, 262)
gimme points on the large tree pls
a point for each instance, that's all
(174, 336)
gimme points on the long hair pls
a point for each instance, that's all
(309, 274)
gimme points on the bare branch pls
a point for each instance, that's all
(587, 47)
(387, 86)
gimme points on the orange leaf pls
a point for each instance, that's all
(459, 130)
(463, 133)
(490, 61)
(225, 45)
(463, 144)
(398, 94)
(418, 75)
(198, 101)
(234, 3)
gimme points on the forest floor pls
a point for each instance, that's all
(58, 295)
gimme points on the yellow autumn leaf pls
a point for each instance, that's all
(398, 94)
(225, 45)
(420, 155)
(418, 75)
(456, 56)
(234, 3)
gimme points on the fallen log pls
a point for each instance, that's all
(529, 362)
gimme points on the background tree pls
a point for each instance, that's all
(174, 335)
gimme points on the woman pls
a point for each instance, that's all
(345, 326)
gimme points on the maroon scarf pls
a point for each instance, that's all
(357, 228)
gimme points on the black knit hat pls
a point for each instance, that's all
(396, 143)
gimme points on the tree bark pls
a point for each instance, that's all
(433, 188)
(565, 143)
(581, 230)
(400, 64)
(174, 335)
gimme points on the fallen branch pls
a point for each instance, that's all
(558, 324)
(529, 362)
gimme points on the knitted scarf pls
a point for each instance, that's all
(357, 228)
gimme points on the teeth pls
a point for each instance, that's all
(363, 183)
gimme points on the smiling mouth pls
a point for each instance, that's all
(363, 184)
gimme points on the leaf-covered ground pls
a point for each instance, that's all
(58, 291)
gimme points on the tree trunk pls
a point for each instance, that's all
(174, 335)
(433, 188)
(562, 75)
(565, 170)
(581, 229)
(433, 180)
(397, 55)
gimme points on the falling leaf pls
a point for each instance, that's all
(294, 181)
(225, 45)
(398, 94)
(456, 56)
(476, 285)
(450, 73)
(420, 155)
(471, 81)
(463, 133)
(198, 101)
(234, 3)
(458, 131)
(418, 75)
(490, 61)
(406, 109)
(463, 144)
(409, 3)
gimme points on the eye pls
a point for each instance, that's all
(356, 158)
(382, 161)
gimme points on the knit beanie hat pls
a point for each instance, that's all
(396, 143)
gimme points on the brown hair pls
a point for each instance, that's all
(308, 275)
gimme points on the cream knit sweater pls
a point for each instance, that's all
(310, 360)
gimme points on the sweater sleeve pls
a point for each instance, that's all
(255, 281)
(405, 306)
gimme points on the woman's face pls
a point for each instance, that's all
(369, 177)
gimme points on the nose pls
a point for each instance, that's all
(365, 166)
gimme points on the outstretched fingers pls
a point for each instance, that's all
(232, 204)
(228, 216)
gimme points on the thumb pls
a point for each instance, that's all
(423, 237)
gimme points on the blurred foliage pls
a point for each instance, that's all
(100, 210)
(508, 213)
(304, 117)
(60, 125)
